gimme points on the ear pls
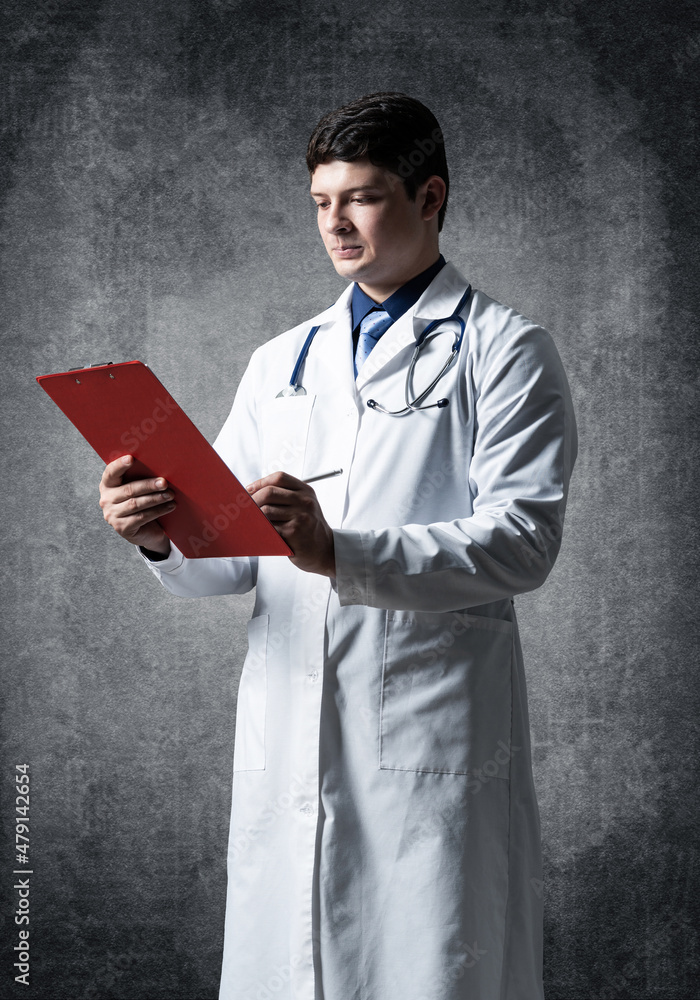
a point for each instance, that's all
(431, 194)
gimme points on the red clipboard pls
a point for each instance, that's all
(123, 409)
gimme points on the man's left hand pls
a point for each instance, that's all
(292, 506)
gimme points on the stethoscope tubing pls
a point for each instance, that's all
(294, 387)
(293, 382)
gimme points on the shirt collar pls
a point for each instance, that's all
(402, 299)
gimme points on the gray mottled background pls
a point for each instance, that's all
(154, 206)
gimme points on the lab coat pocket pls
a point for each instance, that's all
(284, 428)
(249, 746)
(446, 694)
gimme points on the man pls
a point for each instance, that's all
(385, 836)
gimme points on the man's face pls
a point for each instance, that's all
(373, 232)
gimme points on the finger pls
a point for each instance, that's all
(114, 471)
(141, 502)
(280, 515)
(157, 488)
(275, 495)
(283, 479)
(130, 524)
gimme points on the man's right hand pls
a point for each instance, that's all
(132, 508)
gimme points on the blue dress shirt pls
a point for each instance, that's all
(397, 304)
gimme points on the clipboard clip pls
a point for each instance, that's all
(98, 364)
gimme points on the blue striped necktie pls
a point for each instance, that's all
(371, 328)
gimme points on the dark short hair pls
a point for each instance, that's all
(393, 131)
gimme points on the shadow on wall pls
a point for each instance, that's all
(623, 923)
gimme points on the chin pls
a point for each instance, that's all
(346, 270)
(354, 270)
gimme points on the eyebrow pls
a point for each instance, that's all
(365, 187)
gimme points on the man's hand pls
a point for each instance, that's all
(132, 508)
(291, 505)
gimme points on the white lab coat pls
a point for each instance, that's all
(385, 840)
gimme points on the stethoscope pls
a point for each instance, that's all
(296, 389)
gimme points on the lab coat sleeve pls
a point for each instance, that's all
(525, 445)
(237, 443)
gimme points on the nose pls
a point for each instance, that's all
(336, 221)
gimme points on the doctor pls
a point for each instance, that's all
(384, 840)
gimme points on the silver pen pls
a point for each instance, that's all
(324, 475)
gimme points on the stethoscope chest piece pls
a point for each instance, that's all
(292, 390)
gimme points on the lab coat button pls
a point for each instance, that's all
(313, 676)
(306, 809)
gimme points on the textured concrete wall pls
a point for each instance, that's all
(154, 206)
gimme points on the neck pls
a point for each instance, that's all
(380, 291)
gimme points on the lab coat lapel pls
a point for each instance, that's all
(439, 300)
(334, 344)
(399, 336)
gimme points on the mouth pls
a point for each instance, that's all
(346, 251)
